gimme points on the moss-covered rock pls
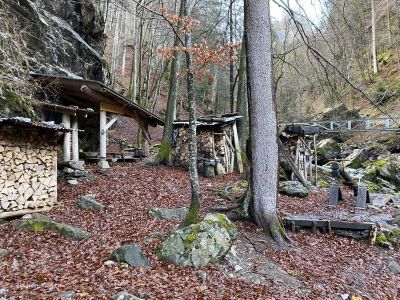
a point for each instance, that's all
(199, 244)
(293, 188)
(39, 223)
(13, 105)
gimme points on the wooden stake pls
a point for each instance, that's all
(237, 148)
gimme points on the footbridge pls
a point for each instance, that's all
(335, 126)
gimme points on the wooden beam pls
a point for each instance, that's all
(237, 148)
(112, 121)
(111, 108)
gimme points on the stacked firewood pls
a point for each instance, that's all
(28, 172)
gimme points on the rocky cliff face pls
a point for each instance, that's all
(65, 37)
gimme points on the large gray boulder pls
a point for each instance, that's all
(327, 150)
(39, 223)
(200, 244)
(168, 213)
(89, 202)
(293, 188)
(130, 254)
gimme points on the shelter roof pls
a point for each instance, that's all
(211, 121)
(94, 94)
(28, 123)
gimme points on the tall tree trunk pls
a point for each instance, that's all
(373, 42)
(263, 122)
(132, 84)
(165, 150)
(214, 86)
(194, 209)
(115, 48)
(231, 70)
(242, 103)
(398, 13)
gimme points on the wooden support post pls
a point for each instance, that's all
(103, 140)
(335, 195)
(237, 148)
(66, 120)
(75, 139)
(314, 227)
(316, 160)
(146, 143)
(362, 197)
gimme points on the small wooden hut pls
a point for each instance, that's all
(218, 144)
(28, 165)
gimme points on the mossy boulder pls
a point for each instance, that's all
(387, 170)
(293, 188)
(200, 244)
(327, 150)
(168, 213)
(39, 223)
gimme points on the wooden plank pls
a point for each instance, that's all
(237, 148)
(362, 197)
(335, 195)
(111, 108)
(329, 225)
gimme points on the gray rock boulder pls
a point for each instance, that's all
(168, 213)
(293, 188)
(200, 244)
(328, 149)
(89, 202)
(356, 158)
(39, 223)
(130, 254)
(394, 267)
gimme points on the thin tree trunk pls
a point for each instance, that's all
(374, 50)
(125, 44)
(263, 122)
(398, 13)
(115, 48)
(165, 151)
(194, 209)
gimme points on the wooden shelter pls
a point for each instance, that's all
(28, 165)
(80, 98)
(218, 144)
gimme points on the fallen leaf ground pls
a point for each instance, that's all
(50, 265)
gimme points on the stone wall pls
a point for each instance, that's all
(28, 171)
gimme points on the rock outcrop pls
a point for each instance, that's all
(200, 244)
(89, 202)
(65, 37)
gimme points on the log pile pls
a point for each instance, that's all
(28, 171)
(212, 144)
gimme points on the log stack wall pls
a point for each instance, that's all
(28, 171)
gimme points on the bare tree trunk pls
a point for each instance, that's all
(115, 47)
(263, 122)
(373, 25)
(194, 209)
(132, 84)
(398, 13)
(231, 70)
(214, 86)
(242, 103)
(165, 151)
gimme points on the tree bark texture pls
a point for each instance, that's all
(165, 153)
(192, 215)
(373, 42)
(242, 103)
(263, 122)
